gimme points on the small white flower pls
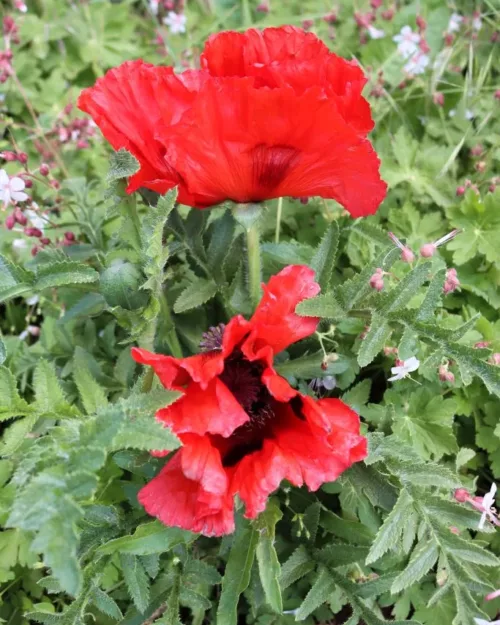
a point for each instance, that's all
(23, 335)
(407, 42)
(488, 501)
(417, 64)
(402, 371)
(477, 23)
(452, 113)
(375, 33)
(11, 189)
(31, 301)
(176, 22)
(153, 5)
(454, 24)
(469, 114)
(19, 244)
(36, 220)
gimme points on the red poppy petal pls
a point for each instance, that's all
(128, 104)
(274, 323)
(243, 54)
(297, 453)
(201, 462)
(246, 144)
(178, 501)
(277, 386)
(211, 408)
(174, 373)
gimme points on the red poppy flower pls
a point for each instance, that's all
(244, 429)
(269, 114)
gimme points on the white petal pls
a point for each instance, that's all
(4, 178)
(19, 196)
(493, 489)
(482, 521)
(17, 184)
(393, 378)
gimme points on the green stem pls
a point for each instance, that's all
(278, 220)
(247, 13)
(171, 335)
(254, 263)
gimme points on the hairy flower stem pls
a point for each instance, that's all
(278, 220)
(171, 334)
(248, 216)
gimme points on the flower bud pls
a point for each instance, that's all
(387, 15)
(438, 98)
(8, 156)
(28, 183)
(375, 4)
(22, 157)
(44, 169)
(428, 250)
(460, 191)
(495, 359)
(407, 255)
(20, 217)
(497, 94)
(45, 241)
(461, 495)
(34, 250)
(10, 222)
(421, 23)
(69, 236)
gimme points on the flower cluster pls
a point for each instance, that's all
(244, 429)
(270, 113)
(413, 48)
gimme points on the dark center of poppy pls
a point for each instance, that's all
(243, 379)
(271, 163)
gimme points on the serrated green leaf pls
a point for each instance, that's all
(324, 257)
(237, 573)
(15, 434)
(317, 595)
(49, 396)
(121, 165)
(106, 604)
(195, 295)
(391, 529)
(267, 559)
(136, 580)
(340, 554)
(300, 563)
(374, 340)
(148, 538)
(423, 558)
(465, 549)
(171, 615)
(220, 244)
(324, 306)
(401, 294)
(92, 394)
(64, 273)
(351, 531)
(433, 296)
(11, 404)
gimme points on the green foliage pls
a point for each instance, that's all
(386, 542)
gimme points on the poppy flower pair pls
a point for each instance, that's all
(243, 428)
(269, 114)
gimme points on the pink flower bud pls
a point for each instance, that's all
(69, 236)
(45, 241)
(495, 359)
(20, 217)
(438, 98)
(8, 156)
(330, 18)
(407, 255)
(428, 250)
(497, 94)
(307, 24)
(476, 150)
(28, 183)
(387, 15)
(55, 184)
(492, 595)
(449, 39)
(22, 157)
(421, 23)
(491, 188)
(10, 222)
(461, 495)
(304, 200)
(44, 169)
(424, 46)
(375, 4)
(34, 250)
(460, 191)
(81, 144)
(263, 7)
